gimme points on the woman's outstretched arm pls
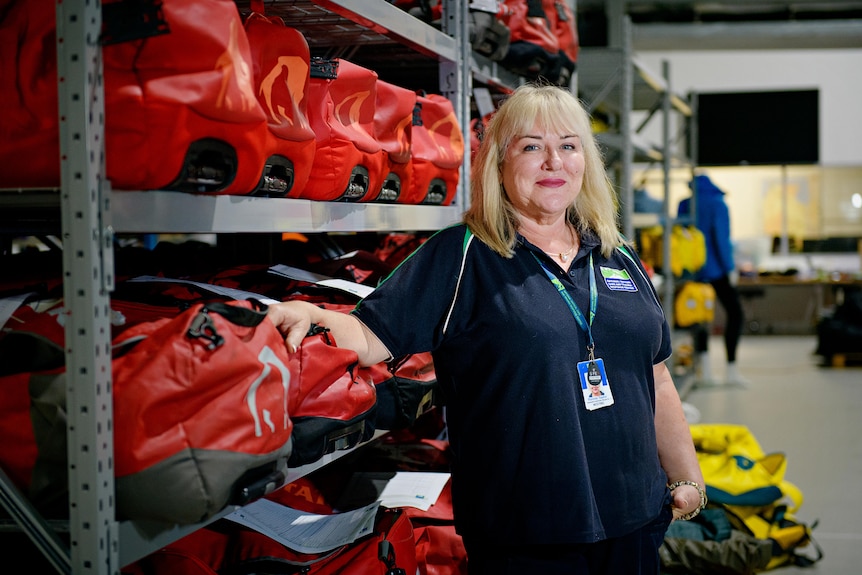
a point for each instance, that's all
(294, 318)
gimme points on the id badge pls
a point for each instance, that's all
(594, 384)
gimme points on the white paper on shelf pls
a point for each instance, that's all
(306, 532)
(395, 489)
(8, 305)
(354, 288)
(413, 489)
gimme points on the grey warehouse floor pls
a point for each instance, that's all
(814, 415)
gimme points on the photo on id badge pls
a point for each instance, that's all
(594, 384)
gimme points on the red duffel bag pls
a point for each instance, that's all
(201, 412)
(437, 151)
(534, 48)
(386, 551)
(332, 407)
(406, 389)
(282, 69)
(393, 123)
(228, 548)
(198, 553)
(33, 450)
(29, 146)
(348, 159)
(439, 548)
(562, 20)
(180, 107)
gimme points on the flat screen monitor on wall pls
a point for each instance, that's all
(758, 128)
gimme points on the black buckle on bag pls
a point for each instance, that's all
(316, 329)
(202, 326)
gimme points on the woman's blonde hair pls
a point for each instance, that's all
(491, 216)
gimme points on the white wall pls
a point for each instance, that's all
(836, 73)
(822, 194)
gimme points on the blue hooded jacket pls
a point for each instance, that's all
(713, 220)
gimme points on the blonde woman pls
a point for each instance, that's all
(519, 304)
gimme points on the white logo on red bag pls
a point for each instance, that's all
(261, 414)
(447, 138)
(237, 77)
(292, 73)
(350, 111)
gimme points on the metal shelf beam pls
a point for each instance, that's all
(174, 212)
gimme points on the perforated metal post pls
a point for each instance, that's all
(87, 282)
(626, 190)
(667, 230)
(456, 84)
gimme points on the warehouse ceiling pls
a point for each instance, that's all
(726, 24)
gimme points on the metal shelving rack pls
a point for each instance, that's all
(614, 81)
(91, 214)
(338, 24)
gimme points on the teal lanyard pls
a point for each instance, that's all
(573, 307)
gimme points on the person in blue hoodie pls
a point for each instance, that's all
(712, 218)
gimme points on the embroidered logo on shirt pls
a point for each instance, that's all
(618, 280)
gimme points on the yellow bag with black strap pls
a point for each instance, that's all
(752, 487)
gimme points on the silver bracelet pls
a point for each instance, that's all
(703, 498)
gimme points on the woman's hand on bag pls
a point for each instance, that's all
(293, 319)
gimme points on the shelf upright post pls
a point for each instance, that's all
(667, 229)
(693, 135)
(627, 153)
(573, 82)
(87, 282)
(456, 84)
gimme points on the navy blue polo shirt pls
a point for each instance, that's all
(531, 464)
